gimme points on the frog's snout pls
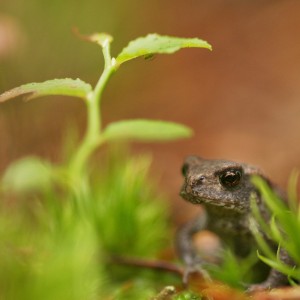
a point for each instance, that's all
(183, 192)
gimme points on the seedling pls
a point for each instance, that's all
(141, 130)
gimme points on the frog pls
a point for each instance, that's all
(224, 189)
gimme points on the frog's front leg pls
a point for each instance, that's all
(275, 279)
(185, 247)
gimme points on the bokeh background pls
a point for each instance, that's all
(242, 99)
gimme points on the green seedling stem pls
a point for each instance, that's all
(93, 137)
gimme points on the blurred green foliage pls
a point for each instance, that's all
(130, 203)
(53, 249)
(235, 271)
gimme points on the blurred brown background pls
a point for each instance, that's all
(242, 99)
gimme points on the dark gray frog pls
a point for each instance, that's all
(224, 188)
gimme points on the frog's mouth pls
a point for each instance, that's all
(197, 200)
(186, 195)
(224, 204)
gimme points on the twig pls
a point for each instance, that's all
(159, 265)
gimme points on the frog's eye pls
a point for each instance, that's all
(230, 178)
(184, 169)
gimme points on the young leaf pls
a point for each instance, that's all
(67, 87)
(99, 38)
(146, 130)
(27, 174)
(154, 43)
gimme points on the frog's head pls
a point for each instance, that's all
(221, 183)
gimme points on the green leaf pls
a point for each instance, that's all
(66, 87)
(146, 130)
(260, 240)
(277, 235)
(154, 43)
(292, 192)
(258, 217)
(272, 200)
(280, 266)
